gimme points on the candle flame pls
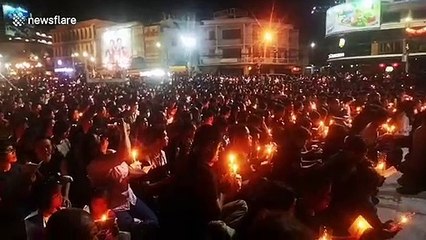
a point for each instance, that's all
(381, 166)
(293, 118)
(359, 226)
(104, 217)
(258, 148)
(232, 157)
(234, 168)
(313, 106)
(358, 109)
(80, 114)
(134, 154)
(405, 218)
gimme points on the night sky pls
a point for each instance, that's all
(296, 12)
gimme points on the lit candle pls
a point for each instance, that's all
(313, 106)
(293, 118)
(405, 218)
(359, 226)
(135, 155)
(380, 167)
(358, 109)
(104, 217)
(325, 234)
(232, 163)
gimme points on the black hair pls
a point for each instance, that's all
(355, 143)
(70, 224)
(206, 141)
(44, 191)
(152, 134)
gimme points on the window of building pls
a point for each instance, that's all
(212, 35)
(211, 52)
(389, 17)
(231, 34)
(418, 14)
(390, 47)
(231, 53)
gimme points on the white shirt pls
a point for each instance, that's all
(120, 173)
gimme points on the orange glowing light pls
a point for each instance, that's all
(268, 36)
(380, 167)
(358, 109)
(104, 217)
(234, 168)
(80, 114)
(405, 218)
(258, 148)
(325, 132)
(390, 129)
(359, 226)
(313, 106)
(325, 236)
(293, 118)
(231, 158)
(134, 155)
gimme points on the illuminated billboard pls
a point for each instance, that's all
(116, 49)
(15, 20)
(356, 15)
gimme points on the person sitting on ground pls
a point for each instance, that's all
(71, 224)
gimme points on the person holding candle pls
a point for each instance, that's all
(150, 185)
(194, 192)
(113, 171)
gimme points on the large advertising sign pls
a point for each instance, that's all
(117, 49)
(16, 22)
(356, 15)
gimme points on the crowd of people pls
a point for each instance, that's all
(207, 157)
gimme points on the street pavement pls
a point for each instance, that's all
(392, 205)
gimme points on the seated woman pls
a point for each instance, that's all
(194, 201)
(112, 171)
(150, 185)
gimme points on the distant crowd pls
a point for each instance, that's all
(207, 157)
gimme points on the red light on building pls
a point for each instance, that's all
(382, 65)
(395, 65)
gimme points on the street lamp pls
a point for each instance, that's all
(268, 36)
(85, 54)
(158, 44)
(313, 44)
(92, 59)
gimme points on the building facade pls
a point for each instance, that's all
(393, 37)
(164, 47)
(234, 42)
(73, 43)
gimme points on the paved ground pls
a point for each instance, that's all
(393, 205)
